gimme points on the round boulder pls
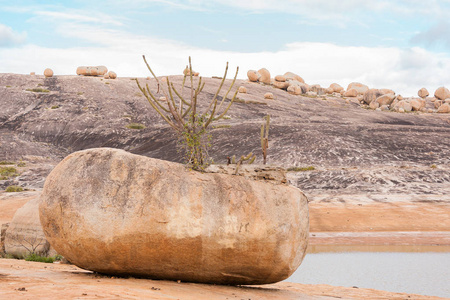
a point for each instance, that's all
(265, 76)
(253, 76)
(423, 93)
(268, 96)
(242, 90)
(293, 76)
(371, 95)
(48, 72)
(114, 212)
(112, 75)
(359, 87)
(280, 78)
(351, 93)
(336, 87)
(442, 93)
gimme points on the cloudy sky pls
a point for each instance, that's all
(397, 44)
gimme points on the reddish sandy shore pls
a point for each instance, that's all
(30, 280)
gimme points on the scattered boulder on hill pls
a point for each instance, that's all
(24, 235)
(351, 93)
(336, 87)
(112, 75)
(187, 72)
(359, 87)
(215, 228)
(293, 76)
(387, 91)
(423, 93)
(48, 72)
(242, 90)
(438, 103)
(281, 85)
(403, 106)
(268, 96)
(280, 78)
(444, 108)
(265, 76)
(92, 71)
(294, 90)
(386, 99)
(253, 75)
(417, 104)
(442, 93)
(371, 95)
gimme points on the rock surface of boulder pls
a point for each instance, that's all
(253, 76)
(351, 93)
(24, 235)
(265, 76)
(48, 72)
(442, 93)
(268, 96)
(371, 95)
(423, 93)
(293, 76)
(114, 212)
(444, 108)
(359, 87)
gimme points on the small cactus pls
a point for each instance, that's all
(250, 158)
(265, 138)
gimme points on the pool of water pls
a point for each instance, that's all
(423, 270)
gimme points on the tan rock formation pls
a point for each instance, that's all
(253, 76)
(112, 75)
(48, 72)
(265, 76)
(444, 108)
(387, 91)
(242, 90)
(386, 99)
(280, 78)
(24, 235)
(418, 104)
(268, 95)
(351, 93)
(359, 87)
(336, 87)
(92, 71)
(438, 103)
(293, 76)
(423, 93)
(281, 85)
(3, 229)
(403, 106)
(146, 217)
(294, 90)
(371, 95)
(442, 93)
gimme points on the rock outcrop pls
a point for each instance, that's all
(24, 235)
(268, 96)
(253, 76)
(114, 212)
(293, 76)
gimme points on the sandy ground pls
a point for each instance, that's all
(30, 280)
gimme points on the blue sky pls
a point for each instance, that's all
(402, 45)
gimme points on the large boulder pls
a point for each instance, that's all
(92, 70)
(442, 93)
(386, 99)
(293, 76)
(423, 93)
(24, 235)
(48, 72)
(265, 76)
(351, 93)
(359, 87)
(336, 87)
(113, 212)
(253, 76)
(418, 104)
(281, 85)
(444, 108)
(371, 95)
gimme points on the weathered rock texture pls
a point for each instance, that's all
(114, 212)
(24, 235)
(3, 229)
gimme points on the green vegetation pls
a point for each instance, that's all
(21, 164)
(8, 172)
(8, 86)
(135, 126)
(181, 113)
(433, 166)
(44, 259)
(38, 90)
(14, 189)
(301, 169)
(54, 107)
(80, 93)
(221, 126)
(106, 82)
(5, 162)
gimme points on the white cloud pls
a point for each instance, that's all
(403, 70)
(9, 37)
(80, 17)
